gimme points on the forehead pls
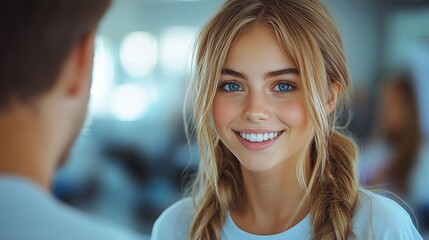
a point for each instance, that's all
(257, 50)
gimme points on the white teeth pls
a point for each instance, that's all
(259, 137)
(252, 137)
(265, 136)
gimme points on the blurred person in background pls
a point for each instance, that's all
(270, 79)
(396, 159)
(389, 161)
(45, 78)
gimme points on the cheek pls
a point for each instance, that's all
(294, 114)
(223, 113)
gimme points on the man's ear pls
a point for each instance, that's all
(334, 93)
(77, 69)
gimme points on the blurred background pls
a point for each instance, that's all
(132, 160)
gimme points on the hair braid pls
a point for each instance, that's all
(212, 207)
(334, 197)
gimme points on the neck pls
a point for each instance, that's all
(272, 200)
(24, 153)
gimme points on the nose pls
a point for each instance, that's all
(256, 108)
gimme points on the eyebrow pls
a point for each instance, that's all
(227, 71)
(286, 71)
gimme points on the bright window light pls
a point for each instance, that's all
(176, 48)
(139, 53)
(132, 101)
(103, 75)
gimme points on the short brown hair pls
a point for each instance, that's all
(37, 36)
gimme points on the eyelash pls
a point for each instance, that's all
(290, 85)
(225, 83)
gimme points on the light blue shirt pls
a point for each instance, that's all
(27, 212)
(376, 217)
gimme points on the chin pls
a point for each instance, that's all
(82, 123)
(258, 164)
(63, 160)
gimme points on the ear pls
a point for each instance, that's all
(77, 69)
(334, 93)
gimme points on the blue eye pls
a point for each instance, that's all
(231, 87)
(283, 87)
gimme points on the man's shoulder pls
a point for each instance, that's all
(25, 206)
(175, 221)
(379, 217)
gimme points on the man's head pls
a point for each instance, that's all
(45, 73)
(37, 38)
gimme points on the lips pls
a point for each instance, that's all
(258, 140)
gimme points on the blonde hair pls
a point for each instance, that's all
(307, 33)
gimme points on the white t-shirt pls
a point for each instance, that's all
(376, 217)
(27, 212)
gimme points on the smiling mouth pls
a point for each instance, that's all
(259, 137)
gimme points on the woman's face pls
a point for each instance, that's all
(259, 109)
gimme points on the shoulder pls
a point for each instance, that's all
(85, 226)
(175, 221)
(378, 217)
(25, 205)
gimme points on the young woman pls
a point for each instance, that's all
(269, 82)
